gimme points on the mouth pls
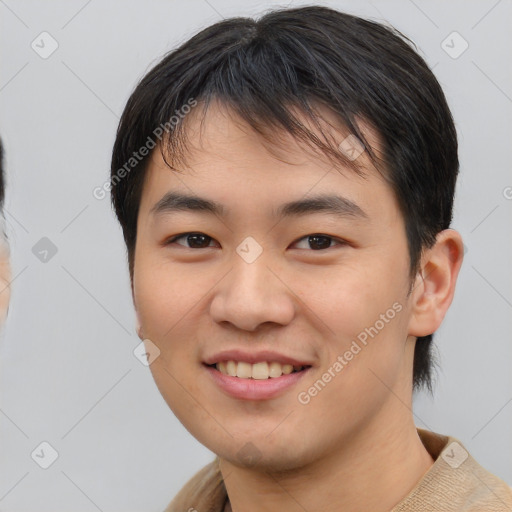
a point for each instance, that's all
(262, 370)
(263, 380)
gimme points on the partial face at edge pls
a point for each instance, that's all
(5, 276)
(307, 298)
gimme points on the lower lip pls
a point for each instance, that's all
(254, 389)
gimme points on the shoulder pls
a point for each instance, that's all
(455, 482)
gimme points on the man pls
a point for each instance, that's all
(285, 190)
(5, 268)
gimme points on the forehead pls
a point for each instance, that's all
(216, 127)
(229, 162)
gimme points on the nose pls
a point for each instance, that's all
(252, 294)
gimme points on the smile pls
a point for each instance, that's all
(257, 381)
(259, 371)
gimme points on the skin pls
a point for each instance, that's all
(5, 278)
(354, 446)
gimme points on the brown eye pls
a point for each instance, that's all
(195, 240)
(318, 242)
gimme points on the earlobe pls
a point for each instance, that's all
(435, 283)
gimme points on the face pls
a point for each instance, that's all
(321, 285)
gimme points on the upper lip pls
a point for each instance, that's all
(254, 357)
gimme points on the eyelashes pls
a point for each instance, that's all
(202, 241)
(192, 236)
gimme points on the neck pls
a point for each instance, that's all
(373, 470)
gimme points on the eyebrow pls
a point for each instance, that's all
(330, 204)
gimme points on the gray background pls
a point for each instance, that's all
(68, 374)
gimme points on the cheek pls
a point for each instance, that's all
(165, 301)
(364, 317)
(351, 297)
(168, 302)
(163, 297)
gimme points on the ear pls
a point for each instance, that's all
(434, 286)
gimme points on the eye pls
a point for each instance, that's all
(195, 240)
(319, 241)
(316, 241)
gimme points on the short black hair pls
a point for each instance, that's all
(288, 60)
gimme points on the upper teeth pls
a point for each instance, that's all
(260, 371)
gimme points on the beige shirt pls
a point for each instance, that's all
(455, 482)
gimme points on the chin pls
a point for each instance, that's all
(256, 456)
